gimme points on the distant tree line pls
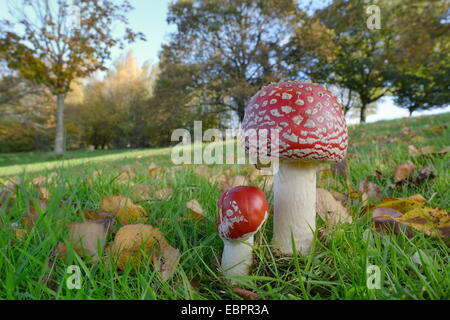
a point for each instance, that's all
(221, 53)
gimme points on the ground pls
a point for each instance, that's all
(335, 269)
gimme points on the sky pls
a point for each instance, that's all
(149, 17)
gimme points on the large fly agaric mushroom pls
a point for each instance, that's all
(312, 129)
(242, 211)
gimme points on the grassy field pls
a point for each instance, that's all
(335, 269)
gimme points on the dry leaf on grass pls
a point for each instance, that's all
(136, 241)
(414, 214)
(141, 191)
(87, 237)
(195, 209)
(403, 172)
(369, 190)
(246, 294)
(124, 209)
(154, 170)
(164, 193)
(331, 210)
(232, 182)
(34, 209)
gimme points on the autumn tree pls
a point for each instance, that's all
(53, 42)
(114, 110)
(237, 46)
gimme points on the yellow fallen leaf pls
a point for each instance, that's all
(21, 234)
(429, 220)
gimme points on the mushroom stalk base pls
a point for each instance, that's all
(294, 206)
(237, 257)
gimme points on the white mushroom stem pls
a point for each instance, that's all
(237, 257)
(294, 206)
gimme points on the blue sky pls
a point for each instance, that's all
(150, 16)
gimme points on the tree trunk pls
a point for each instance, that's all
(362, 113)
(410, 112)
(59, 139)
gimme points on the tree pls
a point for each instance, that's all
(54, 49)
(236, 45)
(420, 73)
(114, 111)
(335, 46)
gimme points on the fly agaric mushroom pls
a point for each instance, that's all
(242, 211)
(312, 129)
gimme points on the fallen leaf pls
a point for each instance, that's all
(141, 191)
(196, 209)
(165, 259)
(331, 210)
(124, 209)
(39, 181)
(424, 174)
(164, 193)
(340, 168)
(21, 234)
(369, 190)
(403, 172)
(136, 241)
(414, 214)
(44, 193)
(246, 294)
(87, 237)
(154, 170)
(34, 208)
(232, 182)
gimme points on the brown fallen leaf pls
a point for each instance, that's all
(331, 210)
(153, 170)
(164, 193)
(44, 193)
(124, 209)
(34, 207)
(87, 237)
(141, 191)
(203, 171)
(165, 259)
(403, 172)
(424, 174)
(136, 241)
(340, 168)
(38, 181)
(195, 209)
(369, 190)
(246, 294)
(232, 182)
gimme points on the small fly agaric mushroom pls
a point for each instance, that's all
(312, 129)
(242, 211)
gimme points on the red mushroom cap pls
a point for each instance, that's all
(309, 118)
(242, 211)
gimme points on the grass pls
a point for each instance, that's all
(335, 269)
